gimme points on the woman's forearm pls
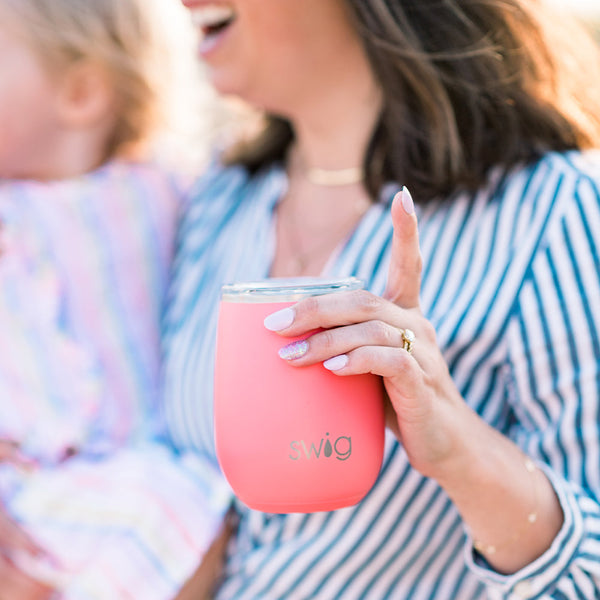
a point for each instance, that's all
(506, 502)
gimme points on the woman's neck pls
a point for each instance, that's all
(332, 129)
(334, 132)
(313, 218)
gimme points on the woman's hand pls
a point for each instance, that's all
(12, 537)
(13, 540)
(364, 333)
(14, 584)
(483, 472)
(204, 582)
(10, 453)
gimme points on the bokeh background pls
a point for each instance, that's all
(587, 10)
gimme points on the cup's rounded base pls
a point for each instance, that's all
(306, 507)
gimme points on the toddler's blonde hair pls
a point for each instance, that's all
(141, 45)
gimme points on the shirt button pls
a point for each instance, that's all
(523, 589)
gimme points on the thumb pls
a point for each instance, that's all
(404, 273)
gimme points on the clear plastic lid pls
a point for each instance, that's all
(292, 289)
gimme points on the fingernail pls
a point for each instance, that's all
(279, 320)
(336, 363)
(294, 350)
(407, 202)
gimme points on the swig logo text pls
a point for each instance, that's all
(341, 448)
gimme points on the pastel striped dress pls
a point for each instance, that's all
(83, 270)
(511, 283)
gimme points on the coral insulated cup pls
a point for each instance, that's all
(290, 439)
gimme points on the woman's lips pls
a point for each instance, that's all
(212, 20)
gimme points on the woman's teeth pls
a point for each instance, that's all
(212, 18)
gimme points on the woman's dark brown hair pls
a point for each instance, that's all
(467, 85)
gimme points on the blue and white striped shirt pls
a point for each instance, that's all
(511, 282)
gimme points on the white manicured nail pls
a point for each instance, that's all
(279, 320)
(336, 363)
(407, 202)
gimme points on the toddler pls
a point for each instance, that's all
(86, 236)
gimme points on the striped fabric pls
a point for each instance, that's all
(131, 526)
(83, 274)
(83, 268)
(511, 283)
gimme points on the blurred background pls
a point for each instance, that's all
(587, 10)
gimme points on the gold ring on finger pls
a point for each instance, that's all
(408, 339)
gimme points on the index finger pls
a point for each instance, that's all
(404, 273)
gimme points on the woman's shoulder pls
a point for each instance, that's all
(550, 167)
(539, 202)
(545, 188)
(221, 188)
(217, 172)
(520, 210)
(575, 163)
(219, 177)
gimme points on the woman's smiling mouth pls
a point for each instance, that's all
(212, 20)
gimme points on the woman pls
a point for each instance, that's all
(490, 481)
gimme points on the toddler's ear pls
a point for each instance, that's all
(87, 97)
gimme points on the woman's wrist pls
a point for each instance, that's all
(507, 504)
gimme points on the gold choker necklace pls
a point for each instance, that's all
(333, 177)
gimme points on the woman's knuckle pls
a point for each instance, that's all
(305, 310)
(429, 333)
(379, 332)
(367, 303)
(397, 361)
(359, 359)
(327, 339)
(309, 305)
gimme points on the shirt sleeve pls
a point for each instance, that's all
(552, 378)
